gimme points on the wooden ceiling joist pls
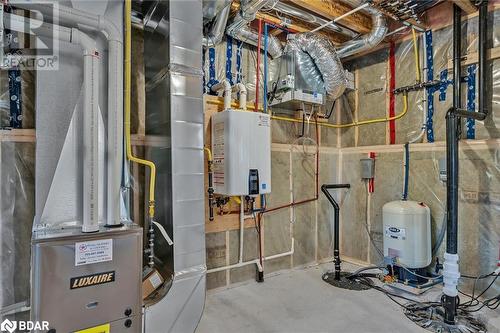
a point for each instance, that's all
(466, 6)
(296, 26)
(332, 9)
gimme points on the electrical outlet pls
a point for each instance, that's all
(470, 196)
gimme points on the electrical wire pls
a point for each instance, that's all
(372, 241)
(418, 275)
(491, 303)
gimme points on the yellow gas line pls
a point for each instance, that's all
(356, 123)
(128, 66)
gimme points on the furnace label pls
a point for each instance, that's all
(92, 280)
(93, 252)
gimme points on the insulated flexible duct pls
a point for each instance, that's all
(240, 29)
(321, 63)
(216, 33)
(371, 39)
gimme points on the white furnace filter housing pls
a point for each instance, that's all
(241, 147)
(407, 233)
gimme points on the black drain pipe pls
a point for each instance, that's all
(453, 129)
(336, 227)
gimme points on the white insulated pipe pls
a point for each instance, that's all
(115, 97)
(242, 89)
(90, 222)
(225, 86)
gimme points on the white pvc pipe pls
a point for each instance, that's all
(90, 218)
(90, 221)
(226, 87)
(242, 89)
(115, 96)
(242, 227)
(255, 261)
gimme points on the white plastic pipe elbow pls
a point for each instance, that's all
(242, 89)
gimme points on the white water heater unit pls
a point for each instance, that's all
(241, 147)
(407, 233)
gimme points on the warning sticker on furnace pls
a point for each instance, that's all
(93, 252)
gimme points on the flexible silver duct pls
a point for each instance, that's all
(216, 32)
(313, 19)
(321, 63)
(371, 39)
(240, 29)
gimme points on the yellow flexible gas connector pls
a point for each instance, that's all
(128, 76)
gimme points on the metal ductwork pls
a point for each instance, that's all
(319, 61)
(212, 8)
(240, 29)
(216, 33)
(368, 41)
(300, 14)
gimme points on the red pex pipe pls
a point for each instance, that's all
(392, 86)
(258, 67)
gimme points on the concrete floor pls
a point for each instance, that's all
(299, 301)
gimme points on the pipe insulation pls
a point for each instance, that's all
(239, 27)
(323, 58)
(113, 34)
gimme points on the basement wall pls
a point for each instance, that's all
(479, 189)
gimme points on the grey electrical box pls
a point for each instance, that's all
(367, 168)
(442, 169)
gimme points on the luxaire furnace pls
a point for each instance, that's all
(88, 282)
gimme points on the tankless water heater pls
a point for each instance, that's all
(241, 147)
